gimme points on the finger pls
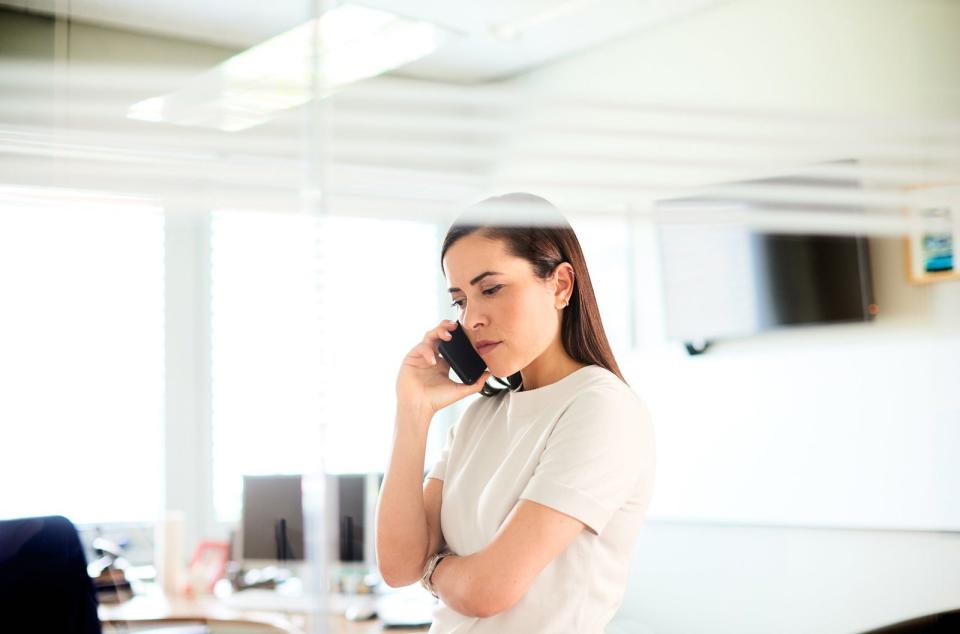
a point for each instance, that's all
(435, 344)
(426, 351)
(433, 332)
(434, 335)
(423, 352)
(432, 338)
(418, 360)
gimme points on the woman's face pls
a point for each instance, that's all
(500, 299)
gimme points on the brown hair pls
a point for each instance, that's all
(548, 243)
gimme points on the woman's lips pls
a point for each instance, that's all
(482, 350)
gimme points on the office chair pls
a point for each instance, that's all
(44, 585)
(939, 623)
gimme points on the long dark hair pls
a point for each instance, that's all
(545, 245)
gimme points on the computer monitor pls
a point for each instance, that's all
(351, 519)
(272, 526)
(353, 496)
(272, 519)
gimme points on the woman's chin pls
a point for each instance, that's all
(496, 370)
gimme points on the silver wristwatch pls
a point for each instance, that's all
(427, 579)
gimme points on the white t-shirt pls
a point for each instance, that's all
(582, 445)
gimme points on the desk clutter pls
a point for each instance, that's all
(355, 593)
(122, 574)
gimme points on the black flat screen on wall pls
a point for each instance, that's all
(721, 279)
(814, 279)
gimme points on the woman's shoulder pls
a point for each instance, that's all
(601, 393)
(599, 381)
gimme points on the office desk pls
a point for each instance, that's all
(151, 606)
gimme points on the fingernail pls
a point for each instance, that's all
(433, 361)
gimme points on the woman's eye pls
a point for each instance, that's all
(490, 291)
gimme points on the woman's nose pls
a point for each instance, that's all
(472, 320)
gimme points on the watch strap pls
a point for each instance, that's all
(427, 579)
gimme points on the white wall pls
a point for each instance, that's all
(864, 56)
(853, 426)
(690, 578)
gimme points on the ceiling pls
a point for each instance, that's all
(495, 39)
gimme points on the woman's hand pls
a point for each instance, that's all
(424, 383)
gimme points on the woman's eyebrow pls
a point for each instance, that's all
(476, 279)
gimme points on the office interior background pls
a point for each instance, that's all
(220, 227)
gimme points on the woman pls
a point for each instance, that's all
(527, 520)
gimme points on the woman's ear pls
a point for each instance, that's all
(564, 284)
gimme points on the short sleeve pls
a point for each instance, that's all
(593, 459)
(440, 466)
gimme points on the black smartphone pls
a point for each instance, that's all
(462, 356)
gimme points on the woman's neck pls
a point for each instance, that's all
(549, 367)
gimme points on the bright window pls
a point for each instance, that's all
(81, 359)
(311, 317)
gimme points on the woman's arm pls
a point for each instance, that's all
(403, 533)
(494, 579)
(408, 526)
